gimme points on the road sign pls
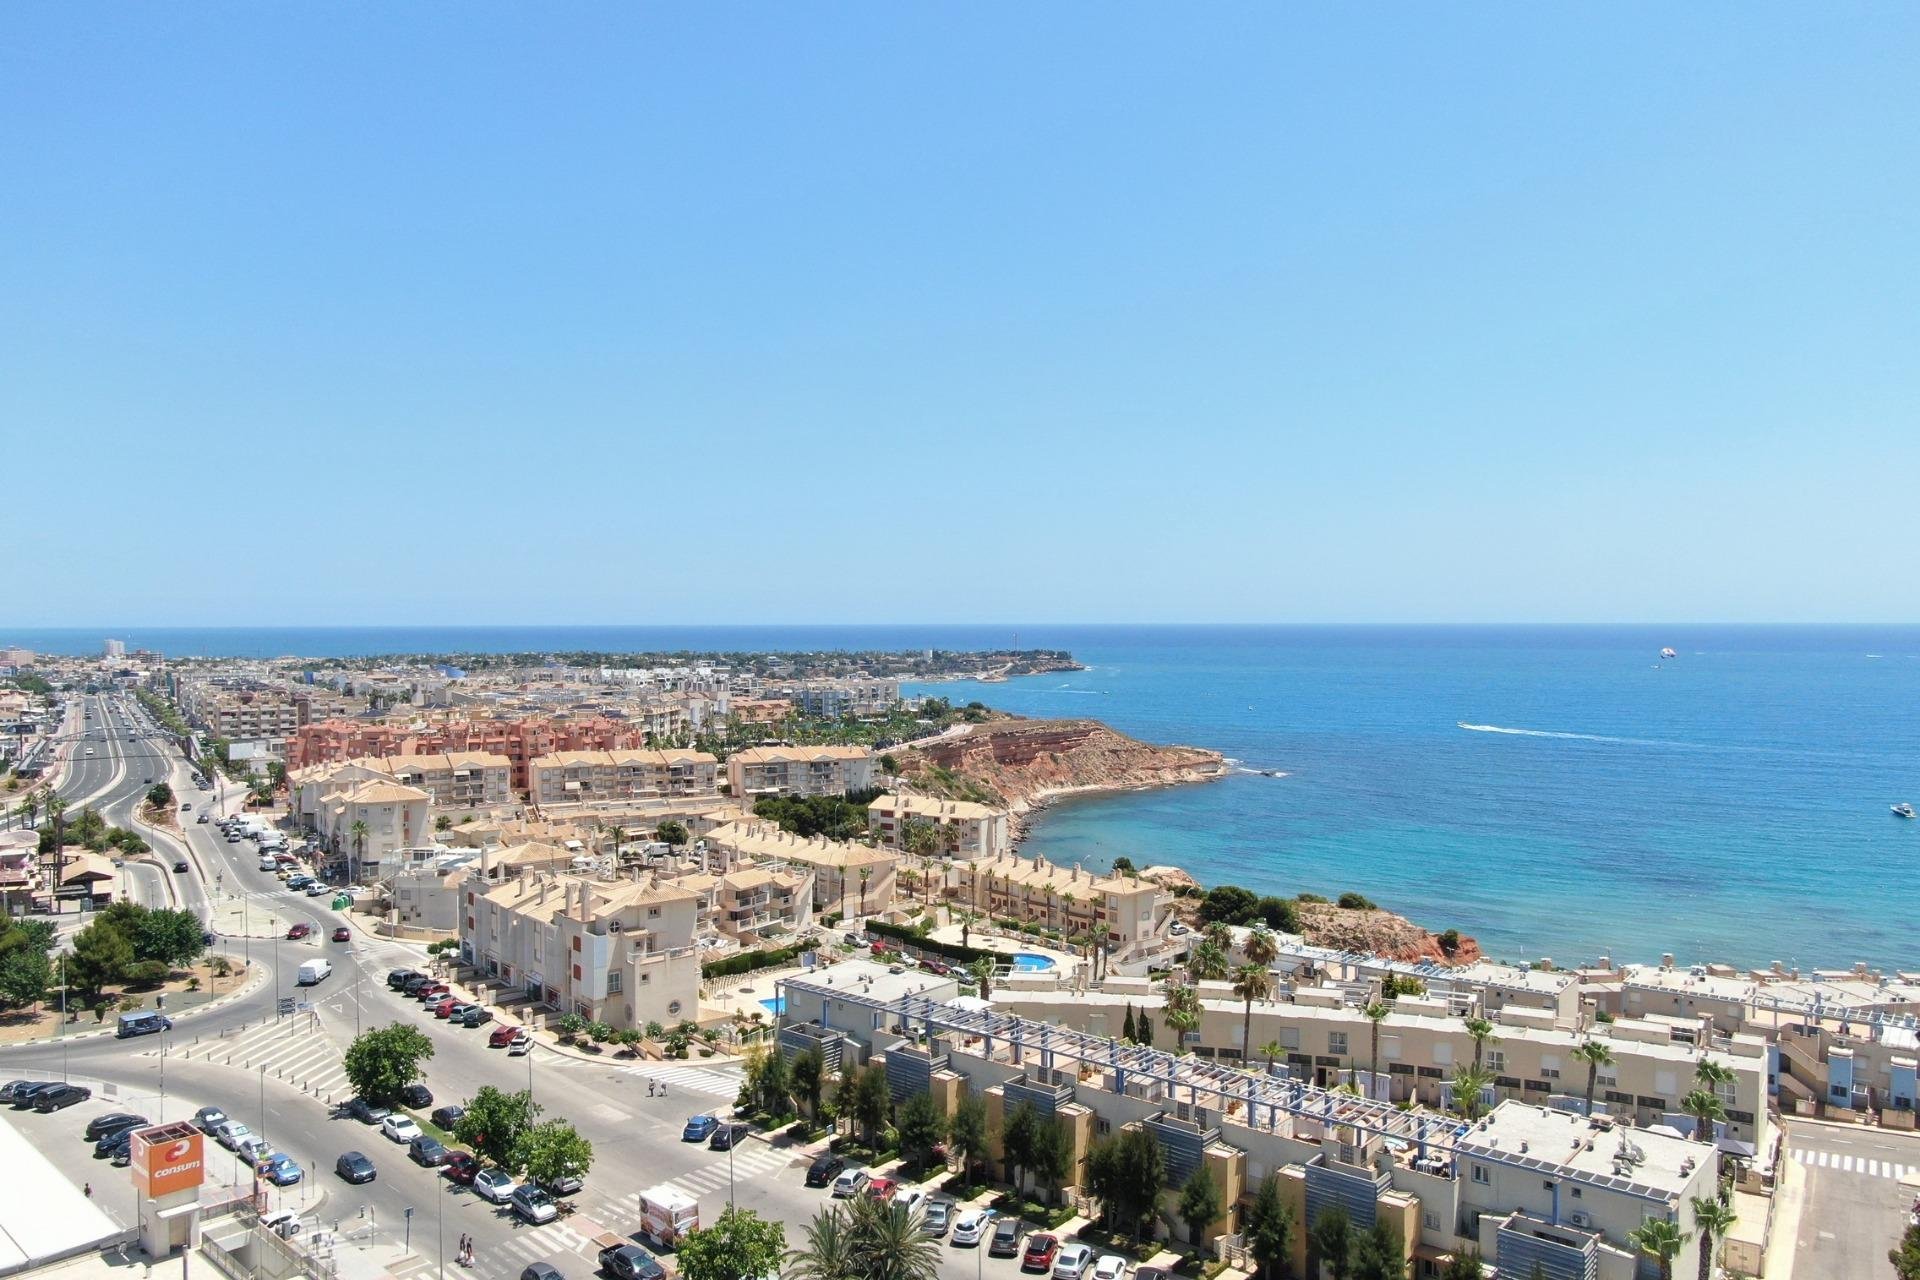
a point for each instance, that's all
(286, 1004)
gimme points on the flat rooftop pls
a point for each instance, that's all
(873, 981)
(1566, 1142)
(43, 1217)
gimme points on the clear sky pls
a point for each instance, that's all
(816, 313)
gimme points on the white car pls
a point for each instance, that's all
(1071, 1262)
(911, 1200)
(851, 1183)
(521, 1044)
(231, 1134)
(493, 1185)
(399, 1128)
(1111, 1266)
(971, 1226)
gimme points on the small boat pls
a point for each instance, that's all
(1668, 653)
(1903, 810)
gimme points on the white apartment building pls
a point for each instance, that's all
(587, 777)
(389, 817)
(847, 878)
(968, 831)
(799, 771)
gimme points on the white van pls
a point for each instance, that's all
(314, 972)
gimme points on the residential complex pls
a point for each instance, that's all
(848, 879)
(580, 777)
(799, 771)
(1133, 915)
(966, 830)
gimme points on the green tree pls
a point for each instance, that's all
(1376, 1012)
(550, 1151)
(1380, 1254)
(1905, 1256)
(1705, 1108)
(170, 937)
(160, 796)
(982, 971)
(917, 1122)
(100, 957)
(1250, 982)
(1331, 1241)
(1207, 961)
(808, 1070)
(25, 976)
(1127, 1173)
(1482, 1032)
(495, 1121)
(1271, 1051)
(1712, 1218)
(872, 1101)
(1279, 913)
(1596, 1055)
(739, 1245)
(1052, 1158)
(381, 1062)
(28, 934)
(967, 1133)
(672, 833)
(1464, 1266)
(1019, 1139)
(1660, 1240)
(831, 1251)
(1468, 1082)
(1200, 1205)
(1270, 1230)
(1127, 1031)
(358, 834)
(1229, 904)
(1181, 1012)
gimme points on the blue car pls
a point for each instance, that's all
(280, 1171)
(699, 1128)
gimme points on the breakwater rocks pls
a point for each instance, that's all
(1023, 763)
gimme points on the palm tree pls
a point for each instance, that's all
(1261, 948)
(1596, 1055)
(982, 971)
(1271, 1050)
(359, 833)
(616, 833)
(1482, 1032)
(1250, 982)
(1711, 1217)
(1208, 961)
(892, 1246)
(1181, 1012)
(866, 873)
(1376, 1014)
(1710, 1075)
(830, 1252)
(966, 926)
(1705, 1108)
(1660, 1240)
(1468, 1083)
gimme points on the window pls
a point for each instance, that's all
(1551, 1073)
(1496, 1060)
(614, 979)
(1430, 1220)
(1337, 1043)
(1482, 1175)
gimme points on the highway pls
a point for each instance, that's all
(282, 1077)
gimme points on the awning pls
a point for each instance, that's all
(1735, 1147)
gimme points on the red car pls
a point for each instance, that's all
(461, 1166)
(882, 1189)
(1040, 1250)
(502, 1036)
(298, 932)
(441, 1006)
(343, 934)
(431, 992)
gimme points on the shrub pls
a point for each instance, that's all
(569, 1025)
(146, 973)
(748, 961)
(1357, 902)
(946, 950)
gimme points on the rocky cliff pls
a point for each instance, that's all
(1380, 932)
(1022, 763)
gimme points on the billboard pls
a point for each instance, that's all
(167, 1158)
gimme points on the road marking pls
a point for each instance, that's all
(705, 1080)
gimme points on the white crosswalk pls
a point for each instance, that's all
(528, 1244)
(750, 1160)
(1852, 1164)
(702, 1080)
(295, 1049)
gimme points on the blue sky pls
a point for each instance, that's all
(1062, 312)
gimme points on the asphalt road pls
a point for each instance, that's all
(282, 1077)
(1855, 1209)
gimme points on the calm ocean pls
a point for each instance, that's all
(1552, 791)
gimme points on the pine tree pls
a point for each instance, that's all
(1127, 1031)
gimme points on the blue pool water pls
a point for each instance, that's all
(1028, 962)
(775, 1006)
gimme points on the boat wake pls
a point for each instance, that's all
(1569, 737)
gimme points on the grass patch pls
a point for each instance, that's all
(1042, 1216)
(1101, 1238)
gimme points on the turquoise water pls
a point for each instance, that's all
(1729, 804)
(1551, 791)
(1028, 962)
(775, 1006)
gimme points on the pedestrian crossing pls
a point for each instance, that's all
(701, 1080)
(295, 1049)
(751, 1160)
(1852, 1164)
(527, 1244)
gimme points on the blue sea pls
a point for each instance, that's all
(1552, 791)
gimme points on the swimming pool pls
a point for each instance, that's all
(1028, 962)
(775, 1006)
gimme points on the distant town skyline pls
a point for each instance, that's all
(1070, 314)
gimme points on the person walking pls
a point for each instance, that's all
(649, 1086)
(87, 1190)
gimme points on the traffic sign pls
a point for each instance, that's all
(286, 1004)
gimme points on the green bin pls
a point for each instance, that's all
(342, 902)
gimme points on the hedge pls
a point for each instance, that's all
(907, 937)
(748, 961)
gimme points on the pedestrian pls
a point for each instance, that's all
(649, 1086)
(663, 1088)
(86, 1190)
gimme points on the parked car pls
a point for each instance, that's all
(494, 1185)
(206, 1119)
(475, 1016)
(1040, 1252)
(567, 1184)
(355, 1167)
(533, 1205)
(397, 978)
(851, 1183)
(1070, 1263)
(728, 1135)
(231, 1134)
(298, 931)
(451, 1009)
(882, 1189)
(416, 1096)
(413, 985)
(367, 1112)
(29, 1090)
(521, 1044)
(316, 889)
(117, 1147)
(626, 1261)
(429, 1152)
(970, 1225)
(440, 1006)
(447, 1117)
(1006, 1238)
(112, 1122)
(824, 1169)
(936, 1218)
(503, 1036)
(1109, 1266)
(343, 934)
(281, 1171)
(461, 1166)
(910, 1200)
(432, 991)
(11, 1088)
(399, 1128)
(253, 1149)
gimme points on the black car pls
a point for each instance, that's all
(397, 978)
(412, 985)
(117, 1146)
(430, 1152)
(630, 1262)
(727, 1135)
(24, 1096)
(541, 1271)
(112, 1122)
(825, 1169)
(61, 1095)
(12, 1087)
(354, 1167)
(416, 1096)
(180, 865)
(473, 1016)
(1006, 1238)
(207, 1119)
(447, 1118)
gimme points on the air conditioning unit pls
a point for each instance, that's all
(1580, 1219)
